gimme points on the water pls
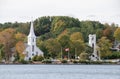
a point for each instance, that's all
(59, 71)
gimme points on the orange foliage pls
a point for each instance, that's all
(20, 47)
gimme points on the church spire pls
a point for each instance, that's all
(31, 33)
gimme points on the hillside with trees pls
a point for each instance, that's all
(55, 34)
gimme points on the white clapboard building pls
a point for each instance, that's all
(31, 48)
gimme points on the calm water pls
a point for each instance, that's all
(59, 71)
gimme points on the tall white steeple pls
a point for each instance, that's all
(31, 36)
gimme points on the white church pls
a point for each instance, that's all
(92, 43)
(31, 48)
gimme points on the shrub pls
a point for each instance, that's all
(84, 62)
(75, 61)
(40, 58)
(23, 61)
(84, 56)
(64, 61)
(47, 61)
(34, 58)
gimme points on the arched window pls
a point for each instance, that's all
(92, 38)
(33, 40)
(27, 54)
(32, 48)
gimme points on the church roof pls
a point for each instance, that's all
(31, 33)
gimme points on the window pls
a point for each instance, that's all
(92, 45)
(33, 40)
(32, 48)
(92, 38)
(36, 53)
(33, 54)
(27, 54)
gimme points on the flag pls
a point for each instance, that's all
(67, 49)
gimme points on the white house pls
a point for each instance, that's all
(92, 43)
(31, 48)
(116, 46)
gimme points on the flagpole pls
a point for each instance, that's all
(68, 55)
(75, 53)
(61, 52)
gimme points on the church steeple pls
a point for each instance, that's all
(31, 36)
(31, 33)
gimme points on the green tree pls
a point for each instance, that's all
(53, 47)
(64, 40)
(117, 34)
(77, 47)
(77, 43)
(60, 23)
(104, 45)
(42, 25)
(41, 44)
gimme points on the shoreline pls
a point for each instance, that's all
(61, 64)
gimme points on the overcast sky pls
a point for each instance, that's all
(23, 10)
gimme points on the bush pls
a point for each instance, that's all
(40, 58)
(64, 61)
(34, 58)
(84, 56)
(23, 61)
(75, 61)
(47, 61)
(96, 62)
(37, 58)
(84, 62)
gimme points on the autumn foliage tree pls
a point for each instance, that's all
(7, 39)
(20, 47)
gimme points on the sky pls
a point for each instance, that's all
(105, 11)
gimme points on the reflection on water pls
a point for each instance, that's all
(59, 71)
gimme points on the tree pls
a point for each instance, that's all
(2, 56)
(53, 47)
(77, 43)
(60, 23)
(109, 32)
(76, 36)
(90, 27)
(20, 36)
(41, 44)
(117, 34)
(77, 47)
(42, 25)
(7, 39)
(20, 47)
(64, 40)
(104, 45)
(88, 50)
